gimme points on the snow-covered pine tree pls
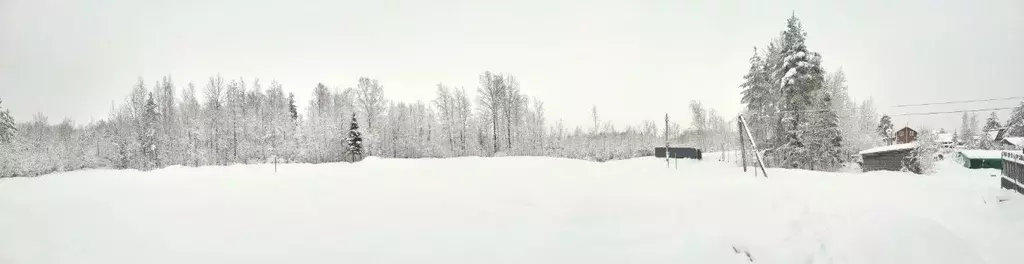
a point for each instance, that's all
(846, 110)
(7, 128)
(968, 129)
(294, 110)
(772, 129)
(355, 141)
(1015, 123)
(8, 166)
(992, 122)
(756, 95)
(826, 140)
(802, 78)
(149, 138)
(885, 128)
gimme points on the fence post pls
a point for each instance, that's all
(743, 147)
(753, 147)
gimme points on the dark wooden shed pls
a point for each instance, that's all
(679, 153)
(886, 157)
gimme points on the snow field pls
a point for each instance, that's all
(508, 210)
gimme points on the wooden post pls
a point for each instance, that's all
(743, 147)
(753, 147)
(666, 140)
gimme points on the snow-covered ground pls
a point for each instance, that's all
(508, 210)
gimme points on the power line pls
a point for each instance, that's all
(954, 112)
(907, 105)
(921, 113)
(963, 101)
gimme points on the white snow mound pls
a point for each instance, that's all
(508, 210)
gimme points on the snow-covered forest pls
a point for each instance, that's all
(234, 121)
(800, 115)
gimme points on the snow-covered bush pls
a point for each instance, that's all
(922, 158)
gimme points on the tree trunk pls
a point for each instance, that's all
(494, 122)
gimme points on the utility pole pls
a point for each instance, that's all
(666, 140)
(743, 147)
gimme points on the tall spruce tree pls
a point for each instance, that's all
(292, 108)
(355, 140)
(826, 140)
(756, 95)
(7, 128)
(802, 77)
(148, 137)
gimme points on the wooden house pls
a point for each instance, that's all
(905, 135)
(1013, 142)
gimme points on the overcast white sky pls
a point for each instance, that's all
(635, 60)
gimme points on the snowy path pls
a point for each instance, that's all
(507, 210)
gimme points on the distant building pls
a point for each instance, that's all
(944, 140)
(906, 135)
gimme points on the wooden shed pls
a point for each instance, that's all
(886, 157)
(905, 135)
(1013, 142)
(981, 159)
(679, 153)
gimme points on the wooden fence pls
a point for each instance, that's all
(1013, 171)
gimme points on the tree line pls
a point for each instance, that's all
(801, 115)
(234, 121)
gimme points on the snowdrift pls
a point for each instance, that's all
(508, 210)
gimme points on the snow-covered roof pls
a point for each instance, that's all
(904, 146)
(1016, 141)
(992, 134)
(982, 154)
(944, 137)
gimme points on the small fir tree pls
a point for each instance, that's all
(355, 141)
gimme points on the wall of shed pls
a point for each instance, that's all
(890, 161)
